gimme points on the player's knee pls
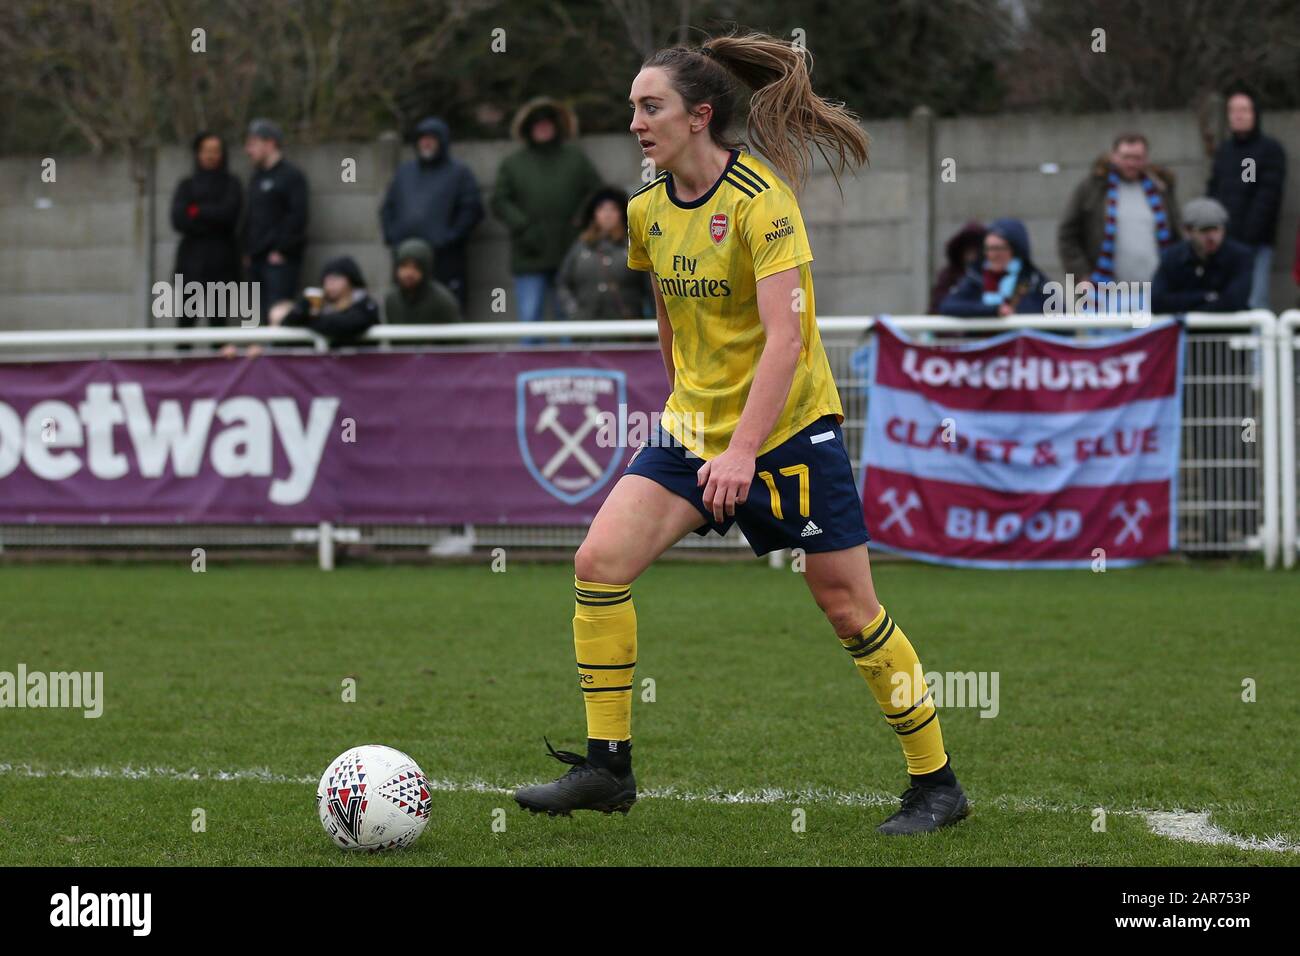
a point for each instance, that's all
(598, 563)
(846, 619)
(842, 612)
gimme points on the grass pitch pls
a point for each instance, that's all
(223, 692)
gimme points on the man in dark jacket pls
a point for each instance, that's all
(205, 211)
(275, 232)
(436, 198)
(540, 191)
(1206, 272)
(347, 309)
(419, 299)
(1119, 218)
(1248, 176)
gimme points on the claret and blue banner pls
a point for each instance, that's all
(1026, 449)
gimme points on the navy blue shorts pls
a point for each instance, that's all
(803, 495)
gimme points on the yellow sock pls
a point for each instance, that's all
(882, 653)
(604, 639)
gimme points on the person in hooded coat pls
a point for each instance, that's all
(434, 197)
(594, 281)
(540, 192)
(205, 211)
(1253, 201)
(963, 249)
(1005, 282)
(418, 298)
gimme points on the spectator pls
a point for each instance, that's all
(540, 189)
(1207, 272)
(1247, 178)
(276, 226)
(346, 311)
(594, 281)
(1119, 218)
(435, 198)
(419, 298)
(963, 250)
(1007, 282)
(205, 211)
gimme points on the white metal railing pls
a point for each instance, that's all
(1229, 493)
(125, 339)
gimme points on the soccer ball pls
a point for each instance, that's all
(373, 798)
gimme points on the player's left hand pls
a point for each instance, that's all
(726, 481)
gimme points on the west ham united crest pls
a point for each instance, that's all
(559, 416)
(718, 228)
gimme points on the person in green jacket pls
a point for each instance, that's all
(418, 299)
(540, 191)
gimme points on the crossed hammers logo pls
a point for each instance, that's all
(898, 512)
(571, 442)
(1131, 520)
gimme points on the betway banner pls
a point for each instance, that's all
(1025, 450)
(439, 438)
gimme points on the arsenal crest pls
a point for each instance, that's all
(718, 227)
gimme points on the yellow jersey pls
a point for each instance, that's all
(707, 256)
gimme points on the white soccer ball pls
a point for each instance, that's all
(373, 798)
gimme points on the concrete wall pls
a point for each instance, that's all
(68, 250)
(76, 253)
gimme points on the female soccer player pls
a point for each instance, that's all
(753, 422)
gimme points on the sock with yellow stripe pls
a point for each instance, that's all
(604, 640)
(885, 658)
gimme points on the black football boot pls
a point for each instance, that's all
(585, 787)
(926, 809)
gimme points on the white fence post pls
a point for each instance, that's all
(325, 546)
(1288, 339)
(1268, 367)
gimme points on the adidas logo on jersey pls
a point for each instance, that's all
(655, 230)
(809, 530)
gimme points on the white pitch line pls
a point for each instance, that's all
(1194, 826)
(129, 772)
(1188, 826)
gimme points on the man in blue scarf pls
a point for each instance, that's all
(1120, 218)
